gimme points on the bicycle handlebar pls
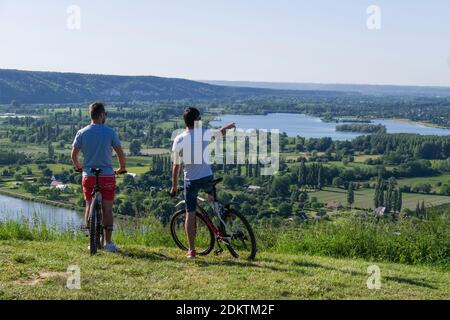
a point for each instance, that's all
(115, 171)
(179, 190)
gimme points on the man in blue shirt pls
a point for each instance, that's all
(96, 142)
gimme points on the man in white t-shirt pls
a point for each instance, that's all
(189, 147)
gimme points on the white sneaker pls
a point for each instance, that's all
(111, 247)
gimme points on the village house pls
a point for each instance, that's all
(334, 205)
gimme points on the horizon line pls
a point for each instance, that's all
(242, 81)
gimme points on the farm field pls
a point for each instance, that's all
(433, 181)
(364, 198)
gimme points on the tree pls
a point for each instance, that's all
(50, 151)
(46, 172)
(126, 208)
(31, 188)
(423, 210)
(395, 200)
(135, 148)
(284, 209)
(337, 182)
(381, 199)
(391, 197)
(399, 201)
(280, 187)
(319, 178)
(303, 198)
(350, 194)
(294, 194)
(376, 196)
(302, 174)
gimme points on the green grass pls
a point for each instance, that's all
(433, 181)
(363, 157)
(349, 165)
(304, 261)
(37, 270)
(154, 151)
(364, 198)
(410, 241)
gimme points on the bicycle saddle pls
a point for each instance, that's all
(96, 171)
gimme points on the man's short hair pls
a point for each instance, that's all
(190, 116)
(96, 110)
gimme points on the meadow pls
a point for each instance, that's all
(364, 198)
(294, 262)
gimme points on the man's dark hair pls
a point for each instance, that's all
(190, 116)
(96, 110)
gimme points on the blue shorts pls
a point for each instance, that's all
(191, 189)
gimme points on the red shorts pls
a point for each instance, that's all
(107, 187)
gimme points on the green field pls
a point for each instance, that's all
(363, 157)
(364, 198)
(37, 270)
(433, 181)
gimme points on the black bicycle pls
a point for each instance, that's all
(95, 219)
(225, 225)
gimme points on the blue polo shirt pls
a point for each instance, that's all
(96, 142)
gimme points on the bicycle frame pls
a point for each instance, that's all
(215, 206)
(220, 233)
(96, 194)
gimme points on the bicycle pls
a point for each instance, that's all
(95, 219)
(231, 228)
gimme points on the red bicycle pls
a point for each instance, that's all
(224, 225)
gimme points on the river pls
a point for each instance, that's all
(313, 127)
(17, 209)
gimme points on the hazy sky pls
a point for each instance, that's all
(277, 40)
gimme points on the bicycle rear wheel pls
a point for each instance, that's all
(242, 241)
(204, 240)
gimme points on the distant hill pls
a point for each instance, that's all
(53, 87)
(357, 88)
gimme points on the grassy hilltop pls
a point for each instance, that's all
(33, 265)
(37, 270)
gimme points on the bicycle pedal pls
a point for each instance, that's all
(218, 251)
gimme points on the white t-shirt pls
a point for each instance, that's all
(190, 147)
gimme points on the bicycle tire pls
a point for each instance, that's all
(173, 222)
(250, 233)
(93, 227)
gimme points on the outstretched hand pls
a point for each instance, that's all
(230, 126)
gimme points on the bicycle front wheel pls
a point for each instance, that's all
(95, 227)
(204, 240)
(241, 241)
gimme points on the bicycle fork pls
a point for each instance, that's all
(218, 233)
